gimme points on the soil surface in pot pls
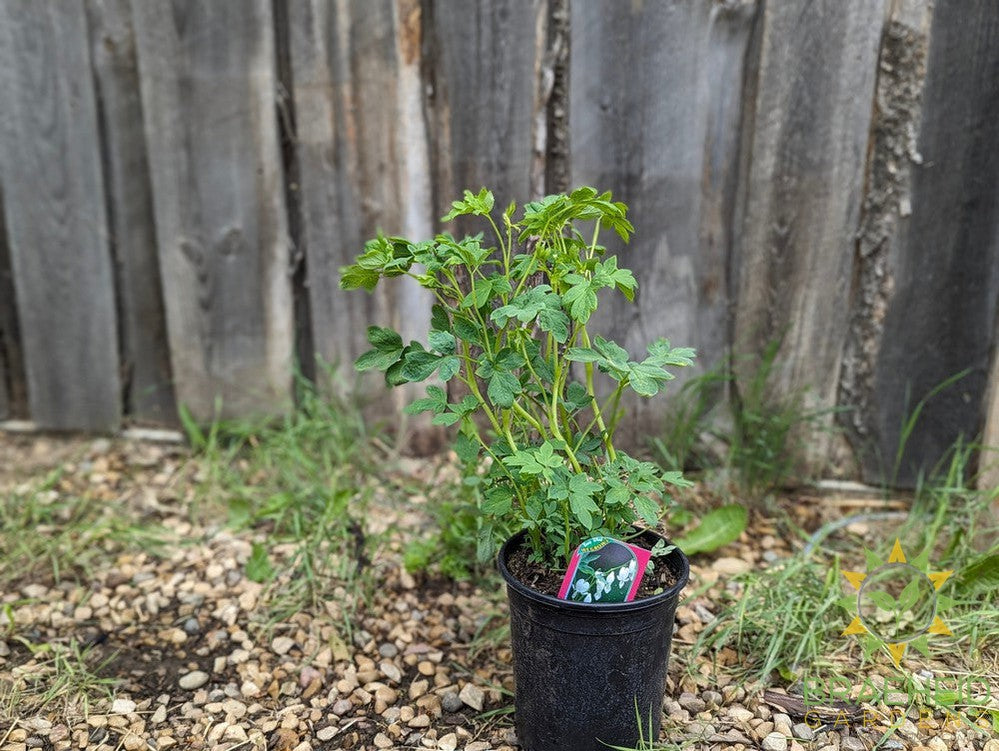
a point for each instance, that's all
(548, 581)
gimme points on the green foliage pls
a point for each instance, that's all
(761, 453)
(716, 529)
(304, 481)
(509, 323)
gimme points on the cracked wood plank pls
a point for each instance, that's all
(807, 137)
(207, 73)
(53, 193)
(148, 387)
(655, 107)
(363, 157)
(941, 318)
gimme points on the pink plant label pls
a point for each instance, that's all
(603, 569)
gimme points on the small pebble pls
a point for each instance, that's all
(731, 567)
(691, 703)
(390, 671)
(388, 649)
(774, 742)
(451, 703)
(473, 696)
(122, 706)
(193, 680)
(282, 644)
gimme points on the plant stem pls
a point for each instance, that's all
(597, 414)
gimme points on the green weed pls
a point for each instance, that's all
(761, 454)
(789, 619)
(306, 481)
(48, 535)
(59, 677)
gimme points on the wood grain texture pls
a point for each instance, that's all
(207, 74)
(942, 316)
(808, 133)
(489, 94)
(147, 382)
(655, 106)
(363, 158)
(13, 392)
(53, 193)
(887, 201)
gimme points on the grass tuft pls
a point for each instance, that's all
(47, 535)
(58, 678)
(306, 484)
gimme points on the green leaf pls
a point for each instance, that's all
(883, 600)
(619, 495)
(383, 339)
(908, 596)
(583, 508)
(576, 396)
(580, 298)
(439, 318)
(607, 274)
(718, 528)
(446, 418)
(498, 500)
(376, 360)
(473, 204)
(583, 354)
(581, 485)
(356, 277)
(555, 322)
(467, 331)
(648, 509)
(387, 349)
(441, 341)
(503, 388)
(466, 448)
(485, 544)
(258, 565)
(661, 354)
(676, 479)
(418, 364)
(448, 367)
(435, 401)
(646, 380)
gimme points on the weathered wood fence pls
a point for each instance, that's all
(181, 180)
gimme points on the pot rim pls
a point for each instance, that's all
(592, 608)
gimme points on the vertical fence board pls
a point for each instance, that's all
(655, 105)
(148, 391)
(13, 400)
(53, 202)
(942, 317)
(808, 137)
(488, 96)
(207, 73)
(362, 154)
(6, 318)
(887, 200)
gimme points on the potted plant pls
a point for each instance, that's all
(509, 335)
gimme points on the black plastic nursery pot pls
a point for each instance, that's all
(581, 669)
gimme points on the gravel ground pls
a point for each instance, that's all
(425, 665)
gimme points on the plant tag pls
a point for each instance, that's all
(604, 570)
